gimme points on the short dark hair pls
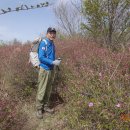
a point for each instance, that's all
(50, 29)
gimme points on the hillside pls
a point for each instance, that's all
(92, 85)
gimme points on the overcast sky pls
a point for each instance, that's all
(26, 25)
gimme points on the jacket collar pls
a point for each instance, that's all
(49, 40)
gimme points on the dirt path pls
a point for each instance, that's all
(49, 121)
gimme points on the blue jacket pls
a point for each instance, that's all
(46, 54)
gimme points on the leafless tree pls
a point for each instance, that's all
(69, 17)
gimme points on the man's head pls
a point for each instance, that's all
(51, 33)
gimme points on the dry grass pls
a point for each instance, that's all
(89, 74)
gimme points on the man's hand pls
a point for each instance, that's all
(56, 62)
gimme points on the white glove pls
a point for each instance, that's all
(56, 62)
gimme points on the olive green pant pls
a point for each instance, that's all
(45, 80)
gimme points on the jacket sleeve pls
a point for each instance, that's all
(42, 54)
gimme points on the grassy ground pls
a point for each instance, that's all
(93, 82)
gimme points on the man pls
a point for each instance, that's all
(46, 54)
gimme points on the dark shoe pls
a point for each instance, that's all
(47, 109)
(39, 114)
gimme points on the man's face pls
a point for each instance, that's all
(51, 35)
